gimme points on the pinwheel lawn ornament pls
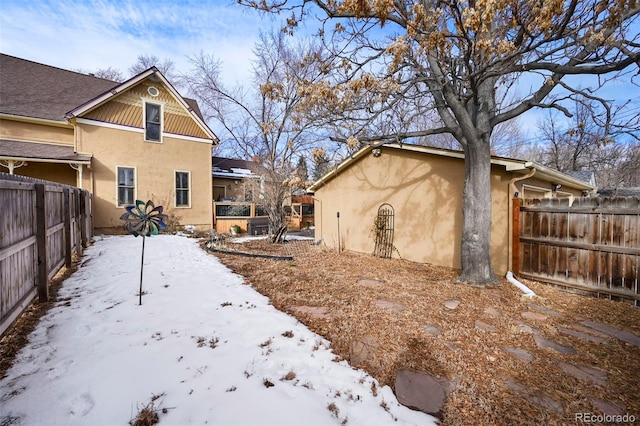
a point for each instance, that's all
(143, 219)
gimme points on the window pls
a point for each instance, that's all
(126, 186)
(152, 122)
(182, 189)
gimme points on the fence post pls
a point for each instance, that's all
(515, 241)
(66, 211)
(41, 238)
(83, 218)
(77, 194)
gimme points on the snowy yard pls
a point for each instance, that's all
(206, 348)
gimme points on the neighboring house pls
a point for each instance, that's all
(588, 176)
(235, 180)
(237, 187)
(240, 188)
(423, 186)
(122, 141)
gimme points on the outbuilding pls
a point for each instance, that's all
(415, 194)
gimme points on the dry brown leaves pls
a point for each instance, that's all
(387, 303)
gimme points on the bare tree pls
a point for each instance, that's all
(451, 58)
(584, 144)
(166, 66)
(261, 121)
(113, 74)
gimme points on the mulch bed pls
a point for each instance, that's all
(393, 313)
(396, 310)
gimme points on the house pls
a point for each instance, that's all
(422, 188)
(588, 176)
(122, 141)
(240, 191)
(235, 180)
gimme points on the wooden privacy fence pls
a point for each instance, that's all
(591, 245)
(41, 225)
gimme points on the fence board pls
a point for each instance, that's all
(33, 238)
(593, 244)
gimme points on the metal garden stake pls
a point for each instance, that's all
(144, 221)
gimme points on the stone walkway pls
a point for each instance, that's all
(408, 384)
(419, 390)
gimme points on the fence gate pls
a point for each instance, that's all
(383, 227)
(591, 245)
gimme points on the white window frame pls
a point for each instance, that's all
(146, 102)
(175, 189)
(135, 185)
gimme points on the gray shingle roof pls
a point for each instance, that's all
(30, 89)
(19, 149)
(583, 175)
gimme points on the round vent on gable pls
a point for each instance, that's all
(153, 91)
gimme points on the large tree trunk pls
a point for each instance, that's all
(476, 215)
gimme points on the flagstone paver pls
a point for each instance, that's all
(545, 343)
(582, 335)
(623, 335)
(492, 312)
(535, 316)
(420, 391)
(319, 312)
(451, 304)
(432, 329)
(481, 325)
(371, 283)
(544, 310)
(520, 354)
(524, 328)
(389, 306)
(543, 400)
(453, 346)
(607, 408)
(362, 348)
(584, 373)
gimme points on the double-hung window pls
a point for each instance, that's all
(152, 122)
(182, 189)
(126, 185)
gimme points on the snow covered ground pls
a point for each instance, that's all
(210, 349)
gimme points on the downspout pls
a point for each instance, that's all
(512, 191)
(315, 236)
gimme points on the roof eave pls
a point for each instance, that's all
(334, 172)
(510, 164)
(99, 100)
(559, 177)
(35, 120)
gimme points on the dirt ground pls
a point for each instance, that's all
(504, 359)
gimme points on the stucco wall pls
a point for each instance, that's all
(426, 193)
(61, 173)
(23, 131)
(155, 164)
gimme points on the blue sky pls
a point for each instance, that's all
(95, 34)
